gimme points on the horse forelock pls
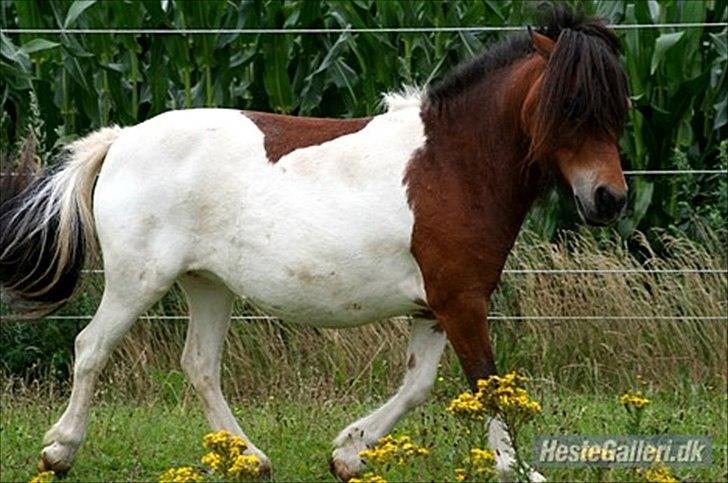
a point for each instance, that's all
(583, 92)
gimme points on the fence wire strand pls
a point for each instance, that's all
(646, 172)
(252, 318)
(337, 30)
(476, 29)
(583, 271)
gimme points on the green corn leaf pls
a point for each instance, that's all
(664, 43)
(13, 53)
(642, 201)
(276, 80)
(36, 45)
(75, 10)
(721, 113)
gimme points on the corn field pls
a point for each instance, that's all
(76, 82)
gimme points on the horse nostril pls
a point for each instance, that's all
(607, 202)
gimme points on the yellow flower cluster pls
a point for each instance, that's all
(467, 404)
(183, 474)
(225, 443)
(480, 466)
(658, 474)
(482, 458)
(368, 477)
(390, 449)
(212, 459)
(227, 457)
(634, 400)
(245, 466)
(497, 395)
(506, 394)
(44, 477)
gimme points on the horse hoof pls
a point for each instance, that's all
(340, 470)
(55, 458)
(265, 471)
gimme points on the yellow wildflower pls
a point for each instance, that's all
(212, 459)
(183, 474)
(44, 477)
(634, 400)
(497, 395)
(390, 449)
(225, 443)
(482, 457)
(482, 461)
(245, 466)
(479, 466)
(501, 395)
(657, 474)
(368, 477)
(467, 404)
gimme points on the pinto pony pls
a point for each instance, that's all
(324, 222)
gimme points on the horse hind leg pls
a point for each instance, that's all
(123, 301)
(210, 304)
(423, 355)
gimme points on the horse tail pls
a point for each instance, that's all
(47, 230)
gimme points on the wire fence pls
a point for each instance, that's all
(584, 271)
(336, 30)
(659, 172)
(606, 318)
(472, 29)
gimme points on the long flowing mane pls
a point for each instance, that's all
(584, 86)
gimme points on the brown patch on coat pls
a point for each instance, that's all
(470, 189)
(284, 134)
(493, 128)
(411, 362)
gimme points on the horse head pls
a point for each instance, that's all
(574, 114)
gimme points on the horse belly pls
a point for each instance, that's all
(340, 273)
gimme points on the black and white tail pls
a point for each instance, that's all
(47, 230)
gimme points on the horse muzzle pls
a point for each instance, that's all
(600, 206)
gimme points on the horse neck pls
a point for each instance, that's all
(477, 153)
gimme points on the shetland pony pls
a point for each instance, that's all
(324, 222)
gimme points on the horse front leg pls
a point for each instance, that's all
(465, 322)
(423, 355)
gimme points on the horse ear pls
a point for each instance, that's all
(543, 45)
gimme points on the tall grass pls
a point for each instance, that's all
(271, 358)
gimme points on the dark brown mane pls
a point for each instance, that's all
(472, 72)
(584, 87)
